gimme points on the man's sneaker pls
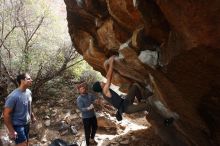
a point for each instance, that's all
(93, 142)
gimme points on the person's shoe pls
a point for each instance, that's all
(118, 116)
(169, 121)
(93, 142)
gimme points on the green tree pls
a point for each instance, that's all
(33, 41)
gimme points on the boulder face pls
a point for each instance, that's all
(172, 45)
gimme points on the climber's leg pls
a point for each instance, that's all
(167, 133)
(162, 108)
(128, 106)
(133, 92)
(169, 116)
(135, 108)
(144, 92)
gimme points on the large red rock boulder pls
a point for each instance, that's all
(176, 43)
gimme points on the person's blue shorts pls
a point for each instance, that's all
(22, 133)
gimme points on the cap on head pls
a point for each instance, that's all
(97, 87)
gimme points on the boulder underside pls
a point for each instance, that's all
(175, 42)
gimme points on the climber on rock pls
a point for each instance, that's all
(123, 105)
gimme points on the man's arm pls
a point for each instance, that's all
(7, 120)
(109, 69)
(81, 107)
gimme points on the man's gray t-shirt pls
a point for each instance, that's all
(20, 102)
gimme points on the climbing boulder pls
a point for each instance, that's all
(176, 43)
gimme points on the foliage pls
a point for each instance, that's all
(33, 40)
(84, 72)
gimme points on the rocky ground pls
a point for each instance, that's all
(60, 119)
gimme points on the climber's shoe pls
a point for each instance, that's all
(169, 121)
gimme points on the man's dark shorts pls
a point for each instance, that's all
(22, 133)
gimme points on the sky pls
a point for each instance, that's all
(58, 8)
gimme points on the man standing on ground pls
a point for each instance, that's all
(85, 104)
(17, 111)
